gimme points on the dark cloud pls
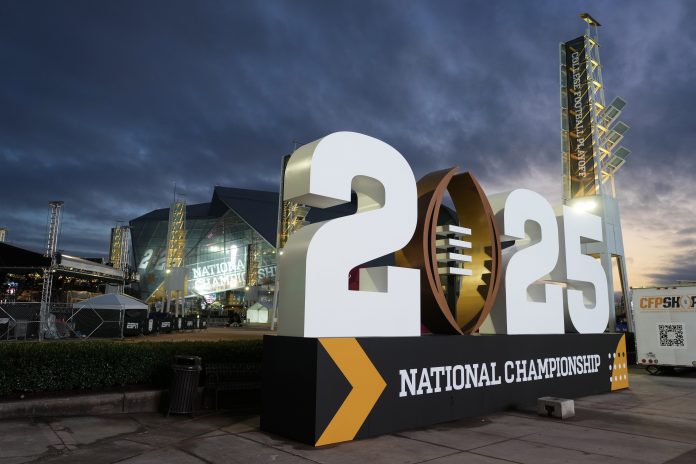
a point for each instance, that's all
(106, 104)
(685, 243)
(681, 268)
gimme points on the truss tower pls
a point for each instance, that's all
(590, 152)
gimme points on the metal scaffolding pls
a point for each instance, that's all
(291, 217)
(607, 157)
(54, 212)
(176, 235)
(252, 278)
(607, 131)
(175, 272)
(119, 251)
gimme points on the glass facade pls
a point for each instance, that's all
(225, 258)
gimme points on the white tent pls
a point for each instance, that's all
(257, 314)
(111, 301)
(103, 316)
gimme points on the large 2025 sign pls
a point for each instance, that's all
(349, 364)
(315, 301)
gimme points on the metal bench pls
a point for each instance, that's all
(231, 377)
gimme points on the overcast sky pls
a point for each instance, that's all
(105, 104)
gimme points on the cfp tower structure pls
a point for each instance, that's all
(591, 154)
(175, 272)
(119, 251)
(172, 288)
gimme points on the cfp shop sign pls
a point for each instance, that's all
(668, 302)
(359, 364)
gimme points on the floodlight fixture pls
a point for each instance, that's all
(618, 158)
(612, 112)
(585, 204)
(589, 19)
(616, 134)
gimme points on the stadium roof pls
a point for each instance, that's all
(258, 208)
(197, 211)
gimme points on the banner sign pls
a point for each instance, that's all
(581, 143)
(328, 390)
(224, 270)
(527, 320)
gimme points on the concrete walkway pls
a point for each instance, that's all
(653, 422)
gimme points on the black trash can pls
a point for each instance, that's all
(189, 323)
(204, 324)
(184, 388)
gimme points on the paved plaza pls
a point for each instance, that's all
(653, 422)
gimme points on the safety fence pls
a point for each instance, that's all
(22, 321)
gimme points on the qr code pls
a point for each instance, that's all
(671, 335)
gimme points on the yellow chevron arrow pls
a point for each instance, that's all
(367, 385)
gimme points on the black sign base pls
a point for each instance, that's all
(329, 390)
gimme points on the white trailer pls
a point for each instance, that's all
(665, 321)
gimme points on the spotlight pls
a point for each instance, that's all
(585, 205)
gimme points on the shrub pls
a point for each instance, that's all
(56, 366)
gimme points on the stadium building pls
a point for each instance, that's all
(229, 252)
